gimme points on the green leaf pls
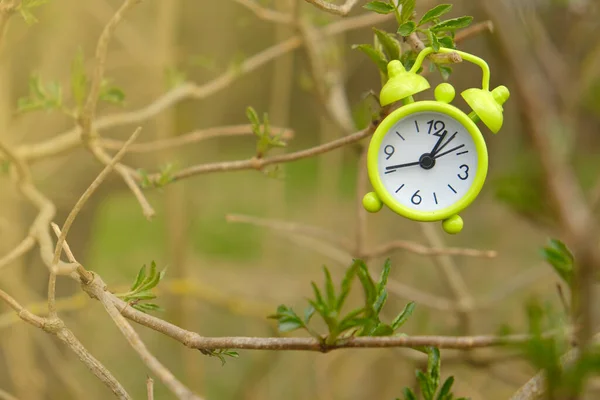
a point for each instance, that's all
(382, 330)
(368, 285)
(452, 24)
(329, 290)
(407, 28)
(139, 278)
(78, 79)
(379, 7)
(445, 390)
(142, 295)
(374, 54)
(112, 95)
(385, 273)
(346, 285)
(433, 367)
(445, 71)
(404, 315)
(409, 394)
(308, 313)
(435, 13)
(380, 302)
(433, 40)
(447, 42)
(408, 7)
(391, 46)
(253, 117)
(289, 325)
(318, 296)
(558, 255)
(425, 385)
(287, 319)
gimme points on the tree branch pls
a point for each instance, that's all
(69, 140)
(260, 163)
(341, 10)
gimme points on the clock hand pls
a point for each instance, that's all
(391, 167)
(440, 140)
(449, 151)
(445, 144)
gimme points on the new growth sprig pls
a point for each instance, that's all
(328, 304)
(141, 290)
(430, 31)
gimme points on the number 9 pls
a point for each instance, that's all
(389, 151)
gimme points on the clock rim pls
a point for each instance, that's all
(403, 112)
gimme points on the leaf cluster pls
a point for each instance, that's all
(433, 31)
(164, 178)
(265, 139)
(220, 354)
(141, 290)
(328, 303)
(429, 381)
(49, 96)
(558, 255)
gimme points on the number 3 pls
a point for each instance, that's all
(466, 168)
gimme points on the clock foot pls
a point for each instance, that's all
(372, 203)
(453, 225)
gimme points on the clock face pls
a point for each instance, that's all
(427, 161)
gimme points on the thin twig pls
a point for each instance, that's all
(150, 388)
(453, 277)
(341, 10)
(192, 137)
(166, 376)
(291, 227)
(22, 248)
(264, 13)
(417, 248)
(89, 110)
(73, 214)
(56, 327)
(260, 163)
(66, 141)
(474, 30)
(88, 193)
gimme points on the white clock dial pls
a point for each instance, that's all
(427, 161)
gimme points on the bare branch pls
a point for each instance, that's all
(89, 110)
(192, 137)
(474, 30)
(178, 388)
(150, 388)
(464, 301)
(264, 13)
(66, 141)
(260, 163)
(292, 227)
(341, 10)
(73, 214)
(417, 248)
(26, 245)
(56, 327)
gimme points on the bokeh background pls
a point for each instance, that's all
(223, 277)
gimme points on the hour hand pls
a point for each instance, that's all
(394, 167)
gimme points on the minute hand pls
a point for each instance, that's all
(449, 151)
(433, 153)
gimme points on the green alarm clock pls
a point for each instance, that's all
(427, 160)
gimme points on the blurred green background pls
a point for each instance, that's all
(224, 278)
